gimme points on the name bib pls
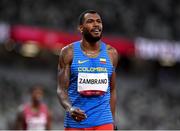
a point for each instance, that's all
(92, 83)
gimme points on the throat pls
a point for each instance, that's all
(91, 53)
(91, 50)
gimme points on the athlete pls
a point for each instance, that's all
(86, 78)
(34, 115)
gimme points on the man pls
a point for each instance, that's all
(34, 115)
(86, 78)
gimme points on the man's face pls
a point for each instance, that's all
(92, 27)
(37, 95)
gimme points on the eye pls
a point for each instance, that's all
(89, 21)
(99, 21)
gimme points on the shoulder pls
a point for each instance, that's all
(113, 54)
(67, 50)
(66, 53)
(44, 107)
(111, 50)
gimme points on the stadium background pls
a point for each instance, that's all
(145, 32)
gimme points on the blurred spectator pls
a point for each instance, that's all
(34, 115)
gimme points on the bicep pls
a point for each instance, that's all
(113, 81)
(114, 56)
(63, 77)
(63, 70)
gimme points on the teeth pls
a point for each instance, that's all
(96, 30)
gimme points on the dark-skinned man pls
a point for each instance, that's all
(86, 78)
(35, 114)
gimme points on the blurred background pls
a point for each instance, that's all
(146, 34)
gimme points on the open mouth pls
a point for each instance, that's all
(96, 30)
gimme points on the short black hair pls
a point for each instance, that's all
(81, 17)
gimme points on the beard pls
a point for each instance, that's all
(89, 37)
(37, 101)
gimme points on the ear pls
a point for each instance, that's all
(80, 28)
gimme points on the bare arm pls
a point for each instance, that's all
(65, 60)
(114, 59)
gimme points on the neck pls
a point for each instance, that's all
(35, 105)
(89, 45)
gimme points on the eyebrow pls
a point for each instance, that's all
(93, 19)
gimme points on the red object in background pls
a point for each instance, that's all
(56, 40)
(46, 38)
(122, 45)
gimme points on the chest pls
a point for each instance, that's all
(36, 121)
(91, 65)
